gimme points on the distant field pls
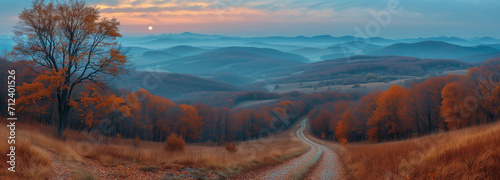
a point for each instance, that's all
(312, 86)
(248, 104)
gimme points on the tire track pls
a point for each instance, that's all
(319, 162)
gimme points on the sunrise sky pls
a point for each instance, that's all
(419, 18)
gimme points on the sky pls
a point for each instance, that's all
(248, 18)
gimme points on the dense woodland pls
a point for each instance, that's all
(439, 103)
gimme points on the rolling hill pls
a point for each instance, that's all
(349, 49)
(243, 61)
(172, 85)
(432, 49)
(479, 57)
(240, 63)
(184, 50)
(355, 69)
(266, 52)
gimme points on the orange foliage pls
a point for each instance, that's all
(230, 147)
(174, 143)
(453, 109)
(68, 46)
(390, 116)
(189, 122)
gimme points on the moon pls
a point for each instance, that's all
(150, 28)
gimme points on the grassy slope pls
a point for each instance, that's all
(472, 153)
(37, 144)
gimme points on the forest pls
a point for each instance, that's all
(439, 103)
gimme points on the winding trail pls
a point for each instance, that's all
(319, 162)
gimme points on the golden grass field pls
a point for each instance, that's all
(35, 144)
(471, 153)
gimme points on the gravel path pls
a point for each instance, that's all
(329, 166)
(60, 166)
(318, 162)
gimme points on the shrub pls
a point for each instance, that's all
(137, 141)
(230, 147)
(174, 143)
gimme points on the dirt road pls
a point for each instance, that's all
(319, 162)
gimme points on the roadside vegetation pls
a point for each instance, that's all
(470, 153)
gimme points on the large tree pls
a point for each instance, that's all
(69, 42)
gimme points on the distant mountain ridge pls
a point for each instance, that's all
(346, 70)
(172, 85)
(432, 49)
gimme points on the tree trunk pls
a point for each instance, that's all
(61, 125)
(63, 113)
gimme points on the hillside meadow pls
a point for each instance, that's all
(42, 156)
(470, 153)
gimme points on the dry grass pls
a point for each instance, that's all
(77, 146)
(251, 154)
(31, 161)
(472, 153)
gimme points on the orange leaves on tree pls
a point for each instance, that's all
(343, 127)
(390, 116)
(42, 88)
(190, 122)
(453, 109)
(68, 39)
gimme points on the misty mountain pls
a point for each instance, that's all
(349, 49)
(159, 55)
(479, 57)
(172, 85)
(432, 49)
(352, 69)
(184, 50)
(5, 43)
(137, 50)
(451, 40)
(496, 46)
(267, 52)
(225, 61)
(312, 53)
(486, 40)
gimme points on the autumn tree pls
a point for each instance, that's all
(156, 110)
(342, 130)
(484, 80)
(389, 118)
(189, 123)
(67, 41)
(452, 109)
(321, 122)
(97, 104)
(425, 103)
(252, 121)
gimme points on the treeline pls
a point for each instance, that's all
(439, 103)
(100, 109)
